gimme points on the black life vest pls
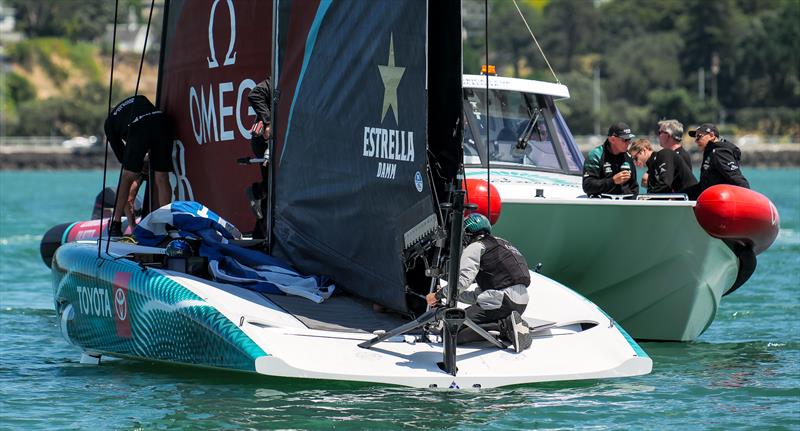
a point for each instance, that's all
(502, 265)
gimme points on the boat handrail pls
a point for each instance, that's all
(663, 197)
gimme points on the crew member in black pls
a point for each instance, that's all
(666, 170)
(503, 277)
(720, 161)
(260, 99)
(135, 128)
(608, 168)
(670, 135)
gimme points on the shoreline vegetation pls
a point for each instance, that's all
(753, 155)
(621, 62)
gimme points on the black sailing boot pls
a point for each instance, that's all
(115, 229)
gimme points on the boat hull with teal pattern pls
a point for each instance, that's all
(111, 305)
(108, 305)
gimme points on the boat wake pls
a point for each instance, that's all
(21, 239)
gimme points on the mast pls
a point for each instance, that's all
(274, 79)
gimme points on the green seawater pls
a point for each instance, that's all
(743, 372)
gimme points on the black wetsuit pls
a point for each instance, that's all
(135, 127)
(668, 173)
(260, 99)
(599, 168)
(685, 156)
(720, 166)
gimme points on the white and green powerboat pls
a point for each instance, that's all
(648, 263)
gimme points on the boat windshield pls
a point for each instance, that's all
(523, 132)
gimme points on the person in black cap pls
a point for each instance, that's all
(608, 168)
(720, 161)
(135, 128)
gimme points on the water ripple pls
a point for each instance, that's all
(743, 373)
(21, 239)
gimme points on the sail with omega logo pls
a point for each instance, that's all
(213, 53)
(364, 129)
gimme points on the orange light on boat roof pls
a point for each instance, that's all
(491, 69)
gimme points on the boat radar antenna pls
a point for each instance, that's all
(136, 92)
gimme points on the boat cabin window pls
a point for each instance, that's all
(471, 156)
(521, 132)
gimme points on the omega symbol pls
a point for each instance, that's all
(120, 305)
(230, 57)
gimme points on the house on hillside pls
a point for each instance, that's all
(7, 25)
(131, 34)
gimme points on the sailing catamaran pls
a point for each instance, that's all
(365, 191)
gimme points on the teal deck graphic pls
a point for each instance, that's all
(166, 321)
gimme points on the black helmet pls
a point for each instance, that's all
(477, 223)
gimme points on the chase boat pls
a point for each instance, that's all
(659, 265)
(365, 191)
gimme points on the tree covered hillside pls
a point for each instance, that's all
(734, 62)
(57, 76)
(729, 61)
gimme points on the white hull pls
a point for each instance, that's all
(556, 354)
(169, 316)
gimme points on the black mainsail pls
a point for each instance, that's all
(353, 184)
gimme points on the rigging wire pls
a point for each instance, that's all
(136, 93)
(536, 41)
(488, 119)
(144, 48)
(105, 160)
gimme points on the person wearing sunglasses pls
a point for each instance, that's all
(721, 161)
(670, 134)
(667, 172)
(608, 168)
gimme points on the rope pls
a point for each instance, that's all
(536, 41)
(144, 49)
(136, 92)
(488, 122)
(105, 160)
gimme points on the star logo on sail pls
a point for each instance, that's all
(391, 76)
(389, 146)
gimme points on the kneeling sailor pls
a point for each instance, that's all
(503, 277)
